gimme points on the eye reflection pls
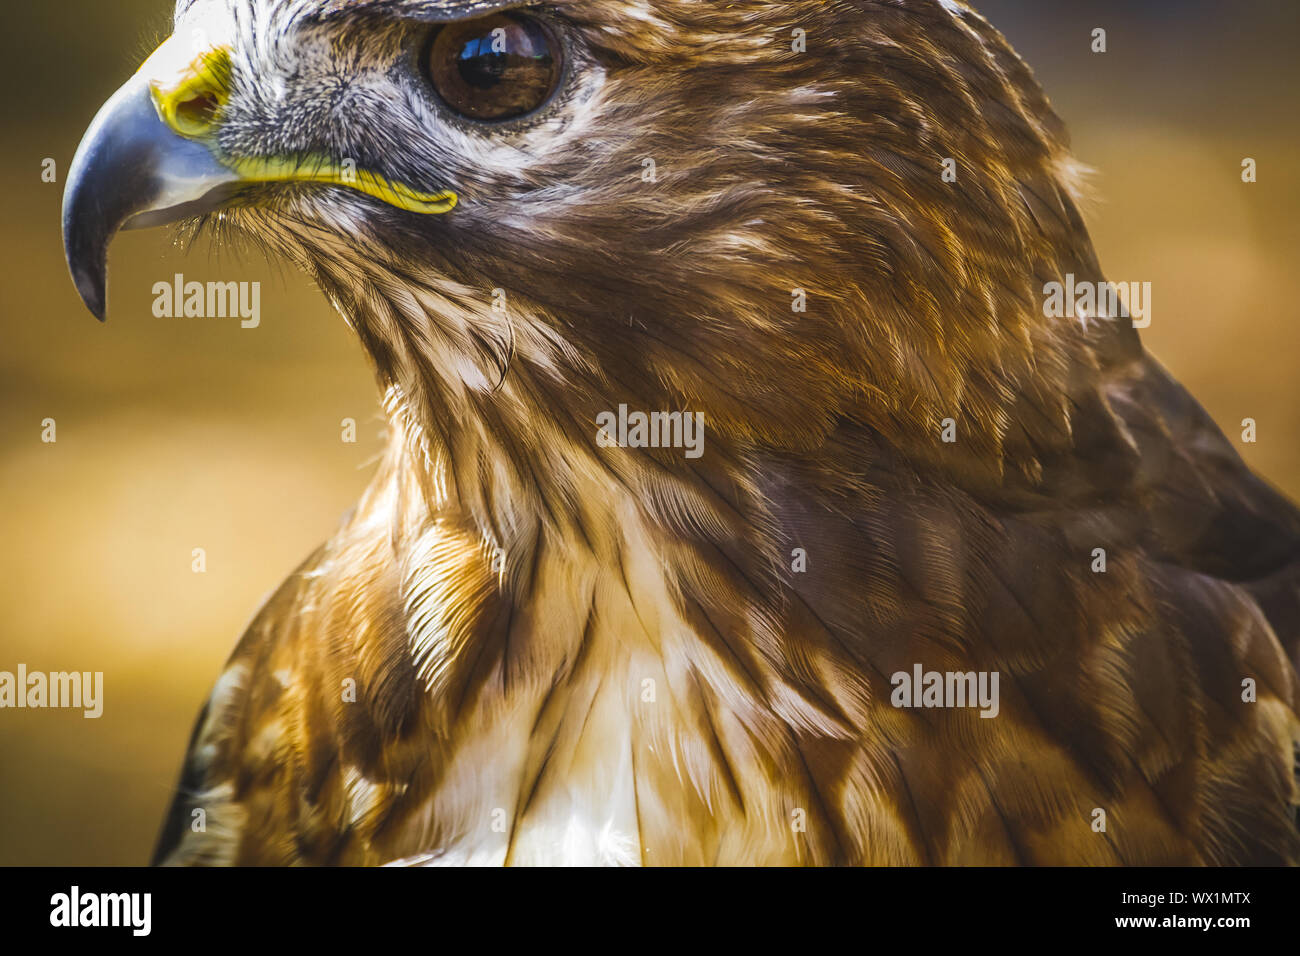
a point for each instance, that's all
(495, 67)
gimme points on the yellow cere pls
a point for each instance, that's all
(191, 107)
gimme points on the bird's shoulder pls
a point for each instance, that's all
(1137, 597)
(318, 724)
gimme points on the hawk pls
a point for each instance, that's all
(551, 633)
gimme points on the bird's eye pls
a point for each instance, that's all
(496, 67)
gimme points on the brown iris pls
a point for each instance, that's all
(496, 67)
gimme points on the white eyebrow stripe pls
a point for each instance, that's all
(431, 10)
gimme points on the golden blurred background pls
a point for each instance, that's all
(176, 434)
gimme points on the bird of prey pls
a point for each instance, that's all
(808, 242)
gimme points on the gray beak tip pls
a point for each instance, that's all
(87, 264)
(92, 297)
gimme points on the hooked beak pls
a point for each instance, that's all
(151, 157)
(131, 171)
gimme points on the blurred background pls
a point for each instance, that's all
(176, 434)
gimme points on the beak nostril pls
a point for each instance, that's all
(191, 102)
(197, 114)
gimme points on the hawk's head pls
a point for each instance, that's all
(778, 213)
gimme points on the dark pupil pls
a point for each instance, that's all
(494, 68)
(483, 67)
